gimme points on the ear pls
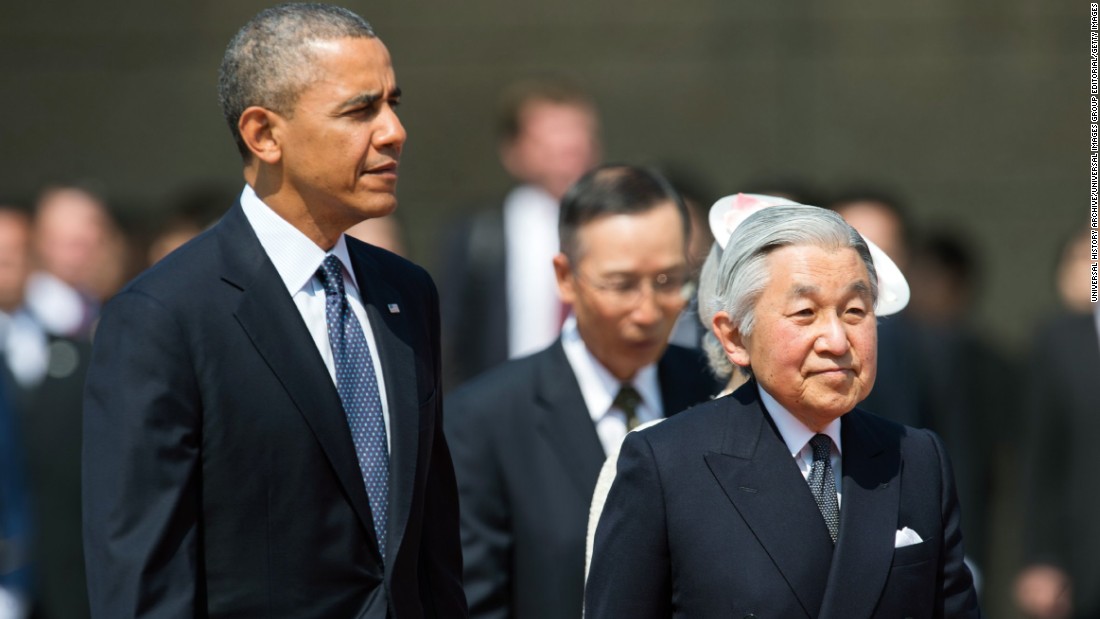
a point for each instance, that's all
(260, 130)
(510, 158)
(567, 285)
(729, 335)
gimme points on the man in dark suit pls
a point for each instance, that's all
(263, 432)
(783, 499)
(498, 295)
(529, 437)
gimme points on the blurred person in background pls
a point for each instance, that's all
(529, 436)
(15, 519)
(1061, 575)
(385, 232)
(75, 246)
(44, 375)
(971, 385)
(497, 292)
(193, 210)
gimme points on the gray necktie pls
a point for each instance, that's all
(628, 401)
(823, 483)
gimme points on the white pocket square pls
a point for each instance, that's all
(906, 537)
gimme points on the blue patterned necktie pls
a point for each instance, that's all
(823, 483)
(358, 389)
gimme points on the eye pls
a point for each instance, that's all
(855, 312)
(804, 312)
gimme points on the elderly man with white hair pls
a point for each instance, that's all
(784, 499)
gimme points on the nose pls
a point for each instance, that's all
(391, 133)
(647, 309)
(832, 339)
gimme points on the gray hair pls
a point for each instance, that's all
(267, 61)
(719, 363)
(742, 273)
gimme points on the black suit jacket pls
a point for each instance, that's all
(220, 478)
(709, 516)
(527, 457)
(474, 296)
(1062, 503)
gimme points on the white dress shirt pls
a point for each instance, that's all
(297, 258)
(531, 242)
(797, 437)
(599, 388)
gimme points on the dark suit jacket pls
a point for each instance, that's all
(527, 457)
(474, 296)
(50, 418)
(220, 478)
(1062, 502)
(709, 516)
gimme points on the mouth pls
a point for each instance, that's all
(385, 170)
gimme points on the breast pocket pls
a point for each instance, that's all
(916, 553)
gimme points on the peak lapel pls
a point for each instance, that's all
(274, 325)
(395, 352)
(868, 520)
(565, 422)
(764, 484)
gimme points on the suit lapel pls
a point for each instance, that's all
(564, 420)
(391, 335)
(868, 521)
(274, 325)
(757, 473)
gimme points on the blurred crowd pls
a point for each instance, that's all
(1018, 428)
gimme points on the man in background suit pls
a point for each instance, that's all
(783, 499)
(530, 436)
(44, 374)
(498, 293)
(1061, 574)
(263, 432)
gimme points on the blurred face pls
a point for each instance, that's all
(626, 288)
(71, 232)
(556, 145)
(874, 222)
(814, 341)
(14, 260)
(340, 147)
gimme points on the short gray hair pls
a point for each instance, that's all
(267, 61)
(742, 272)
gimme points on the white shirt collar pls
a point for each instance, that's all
(598, 385)
(295, 256)
(795, 433)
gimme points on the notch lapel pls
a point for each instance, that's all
(767, 489)
(564, 421)
(868, 520)
(395, 353)
(273, 324)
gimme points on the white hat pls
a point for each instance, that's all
(728, 213)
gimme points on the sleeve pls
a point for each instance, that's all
(631, 568)
(440, 564)
(487, 538)
(141, 480)
(956, 596)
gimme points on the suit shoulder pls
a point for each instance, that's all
(171, 278)
(700, 422)
(508, 380)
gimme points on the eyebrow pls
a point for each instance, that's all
(369, 98)
(806, 290)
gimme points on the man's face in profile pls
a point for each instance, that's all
(814, 342)
(626, 288)
(341, 144)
